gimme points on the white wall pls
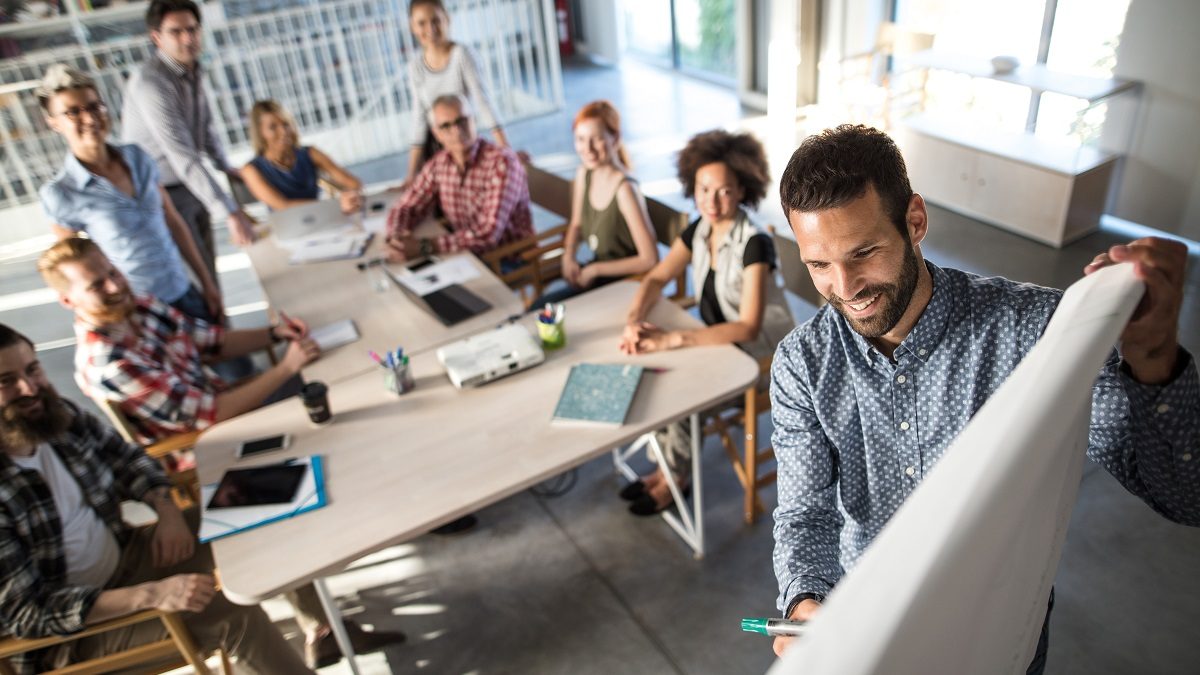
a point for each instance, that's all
(601, 27)
(1161, 184)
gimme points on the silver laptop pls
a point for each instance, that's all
(299, 222)
(489, 356)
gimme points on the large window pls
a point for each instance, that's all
(1074, 36)
(696, 36)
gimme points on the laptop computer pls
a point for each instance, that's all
(490, 356)
(306, 220)
(450, 304)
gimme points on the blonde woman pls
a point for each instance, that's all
(284, 173)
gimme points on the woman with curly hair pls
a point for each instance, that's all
(733, 262)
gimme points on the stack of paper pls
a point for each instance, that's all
(335, 335)
(324, 247)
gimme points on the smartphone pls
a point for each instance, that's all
(420, 264)
(261, 445)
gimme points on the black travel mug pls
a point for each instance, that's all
(316, 402)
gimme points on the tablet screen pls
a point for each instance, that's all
(274, 484)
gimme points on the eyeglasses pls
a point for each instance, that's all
(461, 122)
(96, 110)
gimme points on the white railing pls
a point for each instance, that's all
(340, 67)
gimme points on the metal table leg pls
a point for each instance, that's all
(336, 624)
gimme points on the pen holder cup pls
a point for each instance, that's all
(553, 335)
(399, 379)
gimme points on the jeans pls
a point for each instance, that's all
(1038, 665)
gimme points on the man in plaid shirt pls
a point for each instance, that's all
(481, 188)
(152, 360)
(68, 560)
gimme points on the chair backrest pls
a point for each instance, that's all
(549, 191)
(668, 222)
(795, 276)
(241, 193)
(118, 419)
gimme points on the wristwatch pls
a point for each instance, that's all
(425, 247)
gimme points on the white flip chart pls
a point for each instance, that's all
(957, 581)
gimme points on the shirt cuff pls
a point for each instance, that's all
(1171, 407)
(804, 584)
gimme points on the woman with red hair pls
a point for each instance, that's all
(608, 212)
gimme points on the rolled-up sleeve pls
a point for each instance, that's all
(808, 523)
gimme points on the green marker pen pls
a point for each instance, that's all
(774, 627)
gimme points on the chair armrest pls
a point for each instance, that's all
(12, 646)
(172, 444)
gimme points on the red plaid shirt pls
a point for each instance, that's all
(486, 205)
(150, 366)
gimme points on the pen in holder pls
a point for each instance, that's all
(398, 377)
(551, 328)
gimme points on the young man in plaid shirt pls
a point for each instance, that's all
(68, 560)
(481, 188)
(152, 361)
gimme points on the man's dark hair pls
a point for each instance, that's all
(10, 337)
(742, 153)
(158, 9)
(835, 167)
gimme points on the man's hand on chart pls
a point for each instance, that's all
(400, 249)
(803, 611)
(1150, 342)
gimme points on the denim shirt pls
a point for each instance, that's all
(132, 231)
(855, 431)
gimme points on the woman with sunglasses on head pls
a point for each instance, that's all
(733, 263)
(112, 192)
(442, 66)
(284, 173)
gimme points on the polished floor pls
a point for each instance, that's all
(574, 584)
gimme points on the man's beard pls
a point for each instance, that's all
(893, 300)
(116, 309)
(20, 430)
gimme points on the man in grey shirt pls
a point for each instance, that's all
(166, 112)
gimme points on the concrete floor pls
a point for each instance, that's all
(575, 584)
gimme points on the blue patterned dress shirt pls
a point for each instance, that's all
(855, 432)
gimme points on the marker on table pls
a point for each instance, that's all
(774, 627)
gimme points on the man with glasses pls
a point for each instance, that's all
(166, 112)
(113, 193)
(481, 188)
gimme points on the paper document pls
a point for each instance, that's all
(335, 335)
(957, 582)
(320, 248)
(217, 523)
(456, 270)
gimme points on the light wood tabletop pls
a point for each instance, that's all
(322, 293)
(398, 466)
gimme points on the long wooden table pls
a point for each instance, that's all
(397, 466)
(326, 292)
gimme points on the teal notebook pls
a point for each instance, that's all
(598, 394)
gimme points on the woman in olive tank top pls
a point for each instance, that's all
(608, 212)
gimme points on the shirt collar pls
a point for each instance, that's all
(75, 170)
(176, 67)
(929, 329)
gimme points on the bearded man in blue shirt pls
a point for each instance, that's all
(867, 396)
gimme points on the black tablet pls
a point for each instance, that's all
(273, 484)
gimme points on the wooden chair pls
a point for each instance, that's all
(668, 224)
(185, 484)
(748, 460)
(175, 651)
(541, 253)
(795, 275)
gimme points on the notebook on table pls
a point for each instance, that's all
(249, 497)
(598, 394)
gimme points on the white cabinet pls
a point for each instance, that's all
(1044, 188)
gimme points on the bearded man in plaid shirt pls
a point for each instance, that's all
(480, 187)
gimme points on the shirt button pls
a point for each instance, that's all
(922, 352)
(901, 379)
(909, 471)
(904, 426)
(1162, 408)
(1187, 457)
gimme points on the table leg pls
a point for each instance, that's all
(335, 623)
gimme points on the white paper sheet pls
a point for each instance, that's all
(958, 580)
(335, 335)
(319, 248)
(456, 270)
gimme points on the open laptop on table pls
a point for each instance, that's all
(451, 303)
